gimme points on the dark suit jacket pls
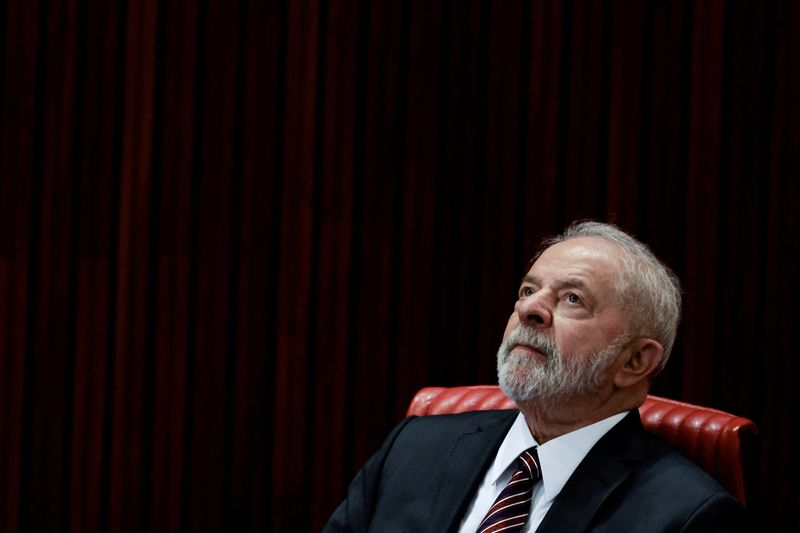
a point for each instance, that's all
(427, 472)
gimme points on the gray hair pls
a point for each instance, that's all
(648, 288)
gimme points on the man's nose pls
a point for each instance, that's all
(535, 310)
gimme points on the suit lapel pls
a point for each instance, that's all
(459, 475)
(606, 465)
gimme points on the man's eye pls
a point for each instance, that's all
(573, 298)
(525, 291)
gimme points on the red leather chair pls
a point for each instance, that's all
(707, 436)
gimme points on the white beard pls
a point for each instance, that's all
(524, 377)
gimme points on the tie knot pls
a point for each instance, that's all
(513, 505)
(528, 463)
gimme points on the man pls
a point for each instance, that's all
(595, 320)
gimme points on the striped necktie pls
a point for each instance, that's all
(511, 508)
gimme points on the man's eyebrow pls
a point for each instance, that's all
(569, 283)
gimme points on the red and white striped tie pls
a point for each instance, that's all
(512, 507)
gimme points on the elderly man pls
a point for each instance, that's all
(594, 321)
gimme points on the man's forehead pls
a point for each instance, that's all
(583, 252)
(587, 245)
(582, 261)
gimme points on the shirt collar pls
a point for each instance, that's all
(558, 457)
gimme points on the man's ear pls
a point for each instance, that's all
(642, 357)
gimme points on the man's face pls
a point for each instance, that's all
(568, 325)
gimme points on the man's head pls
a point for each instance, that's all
(595, 308)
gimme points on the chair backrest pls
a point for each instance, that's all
(708, 437)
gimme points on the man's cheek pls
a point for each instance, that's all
(513, 322)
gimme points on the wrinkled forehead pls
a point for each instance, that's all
(598, 263)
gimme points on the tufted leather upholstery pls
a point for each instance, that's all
(708, 437)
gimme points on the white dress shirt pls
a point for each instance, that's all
(558, 459)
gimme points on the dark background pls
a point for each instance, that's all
(236, 237)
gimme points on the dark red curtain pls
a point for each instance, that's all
(236, 237)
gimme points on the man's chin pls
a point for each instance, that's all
(529, 382)
(523, 375)
(518, 388)
(521, 395)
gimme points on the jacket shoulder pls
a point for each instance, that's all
(665, 491)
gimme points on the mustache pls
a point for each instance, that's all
(529, 336)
